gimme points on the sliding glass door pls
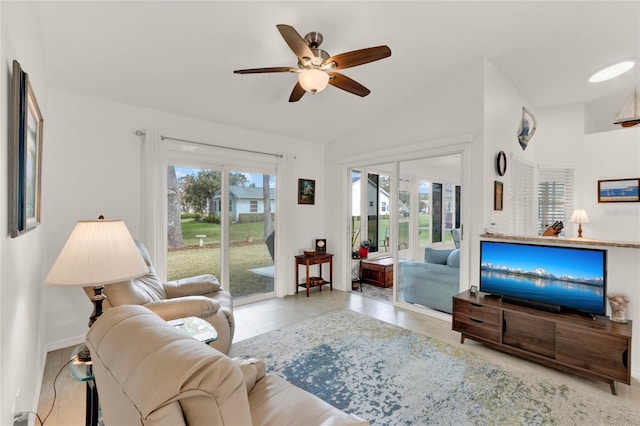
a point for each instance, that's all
(221, 221)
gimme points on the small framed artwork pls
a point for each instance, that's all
(474, 290)
(497, 195)
(618, 190)
(306, 191)
(321, 246)
(25, 156)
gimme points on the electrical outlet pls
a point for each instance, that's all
(21, 419)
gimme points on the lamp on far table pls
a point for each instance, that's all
(579, 216)
(98, 252)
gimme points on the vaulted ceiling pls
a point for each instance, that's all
(179, 56)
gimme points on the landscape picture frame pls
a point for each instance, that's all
(25, 155)
(306, 191)
(619, 190)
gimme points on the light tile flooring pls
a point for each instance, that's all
(261, 317)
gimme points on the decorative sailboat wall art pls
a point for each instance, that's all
(629, 115)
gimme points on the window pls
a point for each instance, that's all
(555, 196)
(253, 206)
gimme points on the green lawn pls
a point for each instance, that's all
(196, 260)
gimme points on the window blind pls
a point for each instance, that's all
(522, 198)
(555, 196)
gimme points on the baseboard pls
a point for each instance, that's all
(65, 343)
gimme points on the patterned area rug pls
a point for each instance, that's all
(392, 376)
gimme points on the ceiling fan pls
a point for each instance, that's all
(316, 68)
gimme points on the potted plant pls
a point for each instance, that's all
(364, 249)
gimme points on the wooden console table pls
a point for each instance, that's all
(377, 272)
(595, 348)
(317, 259)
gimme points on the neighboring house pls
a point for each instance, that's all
(355, 198)
(244, 200)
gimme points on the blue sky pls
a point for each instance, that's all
(556, 260)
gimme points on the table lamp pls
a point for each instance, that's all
(579, 216)
(97, 253)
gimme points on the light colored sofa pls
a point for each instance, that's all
(433, 282)
(201, 296)
(149, 373)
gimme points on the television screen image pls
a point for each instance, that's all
(572, 278)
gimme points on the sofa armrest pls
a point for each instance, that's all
(192, 286)
(190, 306)
(253, 370)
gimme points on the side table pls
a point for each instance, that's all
(317, 259)
(196, 328)
(82, 371)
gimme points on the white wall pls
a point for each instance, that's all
(22, 354)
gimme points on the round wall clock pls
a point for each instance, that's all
(501, 163)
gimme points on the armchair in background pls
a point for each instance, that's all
(200, 296)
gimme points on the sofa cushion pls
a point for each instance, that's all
(436, 256)
(453, 260)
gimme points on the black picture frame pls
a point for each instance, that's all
(619, 190)
(306, 191)
(498, 194)
(25, 155)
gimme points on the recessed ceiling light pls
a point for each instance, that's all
(612, 71)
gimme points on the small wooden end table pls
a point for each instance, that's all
(317, 259)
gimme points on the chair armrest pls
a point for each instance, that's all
(192, 286)
(253, 370)
(190, 306)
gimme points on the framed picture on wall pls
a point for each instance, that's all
(618, 190)
(25, 155)
(306, 191)
(497, 195)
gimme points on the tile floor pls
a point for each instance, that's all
(261, 317)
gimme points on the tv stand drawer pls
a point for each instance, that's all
(476, 319)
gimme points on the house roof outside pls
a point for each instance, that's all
(248, 193)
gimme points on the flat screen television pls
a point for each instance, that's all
(547, 277)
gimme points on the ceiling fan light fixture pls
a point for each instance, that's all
(313, 80)
(612, 71)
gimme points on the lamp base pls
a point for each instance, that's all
(579, 230)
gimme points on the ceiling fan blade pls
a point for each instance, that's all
(297, 93)
(343, 82)
(359, 57)
(295, 41)
(262, 70)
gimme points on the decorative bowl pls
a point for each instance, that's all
(309, 252)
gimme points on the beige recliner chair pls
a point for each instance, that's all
(200, 296)
(149, 373)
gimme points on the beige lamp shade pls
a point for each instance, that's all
(96, 253)
(579, 216)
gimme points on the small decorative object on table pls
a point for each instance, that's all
(618, 304)
(315, 281)
(321, 245)
(309, 252)
(364, 249)
(474, 290)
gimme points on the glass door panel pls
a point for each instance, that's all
(193, 224)
(252, 200)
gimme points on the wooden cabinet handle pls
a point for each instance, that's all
(476, 320)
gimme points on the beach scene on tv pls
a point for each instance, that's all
(568, 277)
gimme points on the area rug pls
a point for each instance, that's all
(392, 376)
